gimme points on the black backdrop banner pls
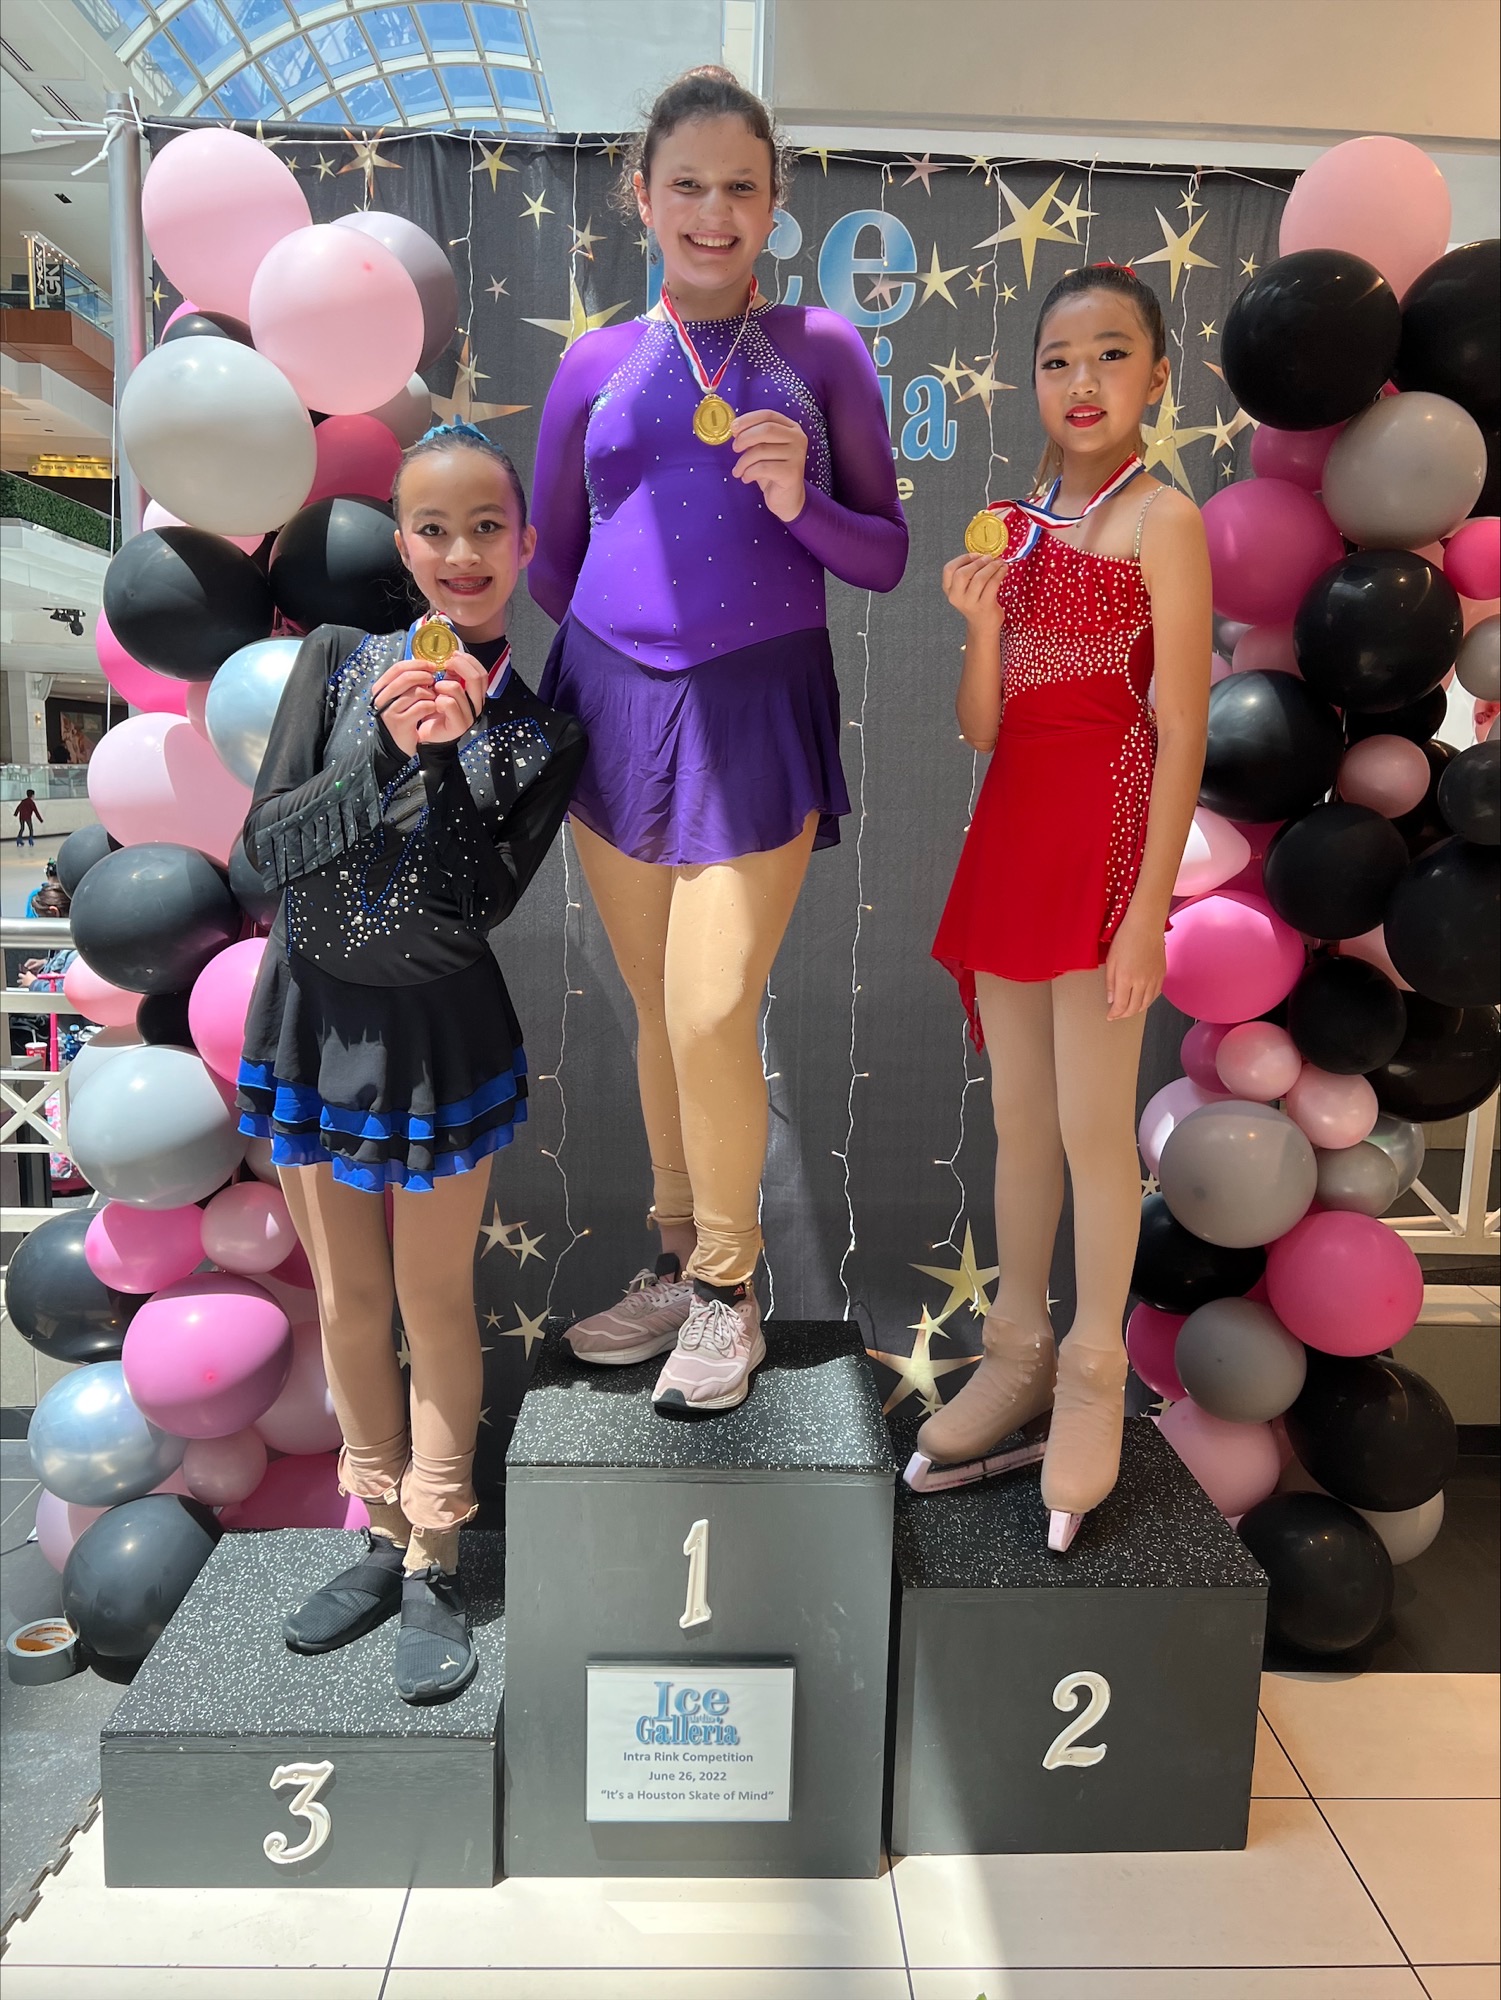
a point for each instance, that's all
(877, 1198)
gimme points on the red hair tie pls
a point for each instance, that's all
(1105, 264)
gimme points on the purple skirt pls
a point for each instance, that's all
(719, 760)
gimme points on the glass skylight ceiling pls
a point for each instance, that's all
(334, 62)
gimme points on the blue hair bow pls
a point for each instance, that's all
(458, 430)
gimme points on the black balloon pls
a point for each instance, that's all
(1490, 494)
(1378, 630)
(1416, 720)
(129, 1571)
(1310, 340)
(79, 852)
(1448, 1063)
(163, 1018)
(335, 563)
(1346, 1016)
(257, 901)
(150, 917)
(1469, 793)
(1451, 331)
(1179, 1272)
(208, 325)
(1274, 747)
(1443, 924)
(54, 1299)
(1372, 1432)
(1425, 826)
(1330, 1575)
(1331, 872)
(182, 601)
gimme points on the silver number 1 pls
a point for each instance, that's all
(1065, 1747)
(310, 1778)
(696, 1609)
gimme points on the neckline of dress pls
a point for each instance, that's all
(757, 312)
(1057, 541)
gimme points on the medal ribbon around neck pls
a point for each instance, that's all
(714, 416)
(433, 641)
(988, 534)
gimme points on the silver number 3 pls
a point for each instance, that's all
(310, 1778)
(1065, 1747)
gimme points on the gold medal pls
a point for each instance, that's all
(712, 420)
(986, 535)
(434, 642)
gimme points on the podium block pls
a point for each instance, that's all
(1099, 1701)
(234, 1763)
(698, 1619)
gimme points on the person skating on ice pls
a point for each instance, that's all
(405, 801)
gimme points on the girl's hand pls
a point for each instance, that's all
(772, 451)
(458, 700)
(972, 584)
(1135, 967)
(403, 699)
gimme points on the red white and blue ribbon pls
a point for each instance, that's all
(498, 675)
(1039, 514)
(707, 383)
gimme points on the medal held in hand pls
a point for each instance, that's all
(713, 418)
(986, 535)
(991, 530)
(434, 643)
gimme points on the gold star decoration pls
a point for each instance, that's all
(979, 164)
(935, 282)
(536, 208)
(1226, 431)
(612, 150)
(1009, 295)
(1177, 251)
(526, 1246)
(1207, 329)
(983, 383)
(403, 1353)
(326, 167)
(819, 153)
(949, 372)
(966, 1284)
(1188, 201)
(367, 157)
(1248, 267)
(922, 170)
(528, 1328)
(495, 1232)
(579, 322)
(158, 296)
(461, 408)
(643, 243)
(976, 281)
(293, 164)
(497, 289)
(1163, 441)
(492, 1319)
(1070, 214)
(917, 1373)
(1149, 1184)
(260, 133)
(491, 163)
(1028, 226)
(882, 292)
(584, 241)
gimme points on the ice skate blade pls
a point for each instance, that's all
(923, 1476)
(1061, 1530)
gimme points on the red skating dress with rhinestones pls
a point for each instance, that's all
(1054, 848)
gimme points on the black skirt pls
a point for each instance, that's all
(394, 1086)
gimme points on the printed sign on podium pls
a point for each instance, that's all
(711, 1743)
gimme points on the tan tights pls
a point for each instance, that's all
(695, 948)
(416, 1473)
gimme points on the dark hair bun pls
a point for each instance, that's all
(709, 91)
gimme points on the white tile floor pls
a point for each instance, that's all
(1371, 1874)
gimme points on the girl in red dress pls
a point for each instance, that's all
(1054, 925)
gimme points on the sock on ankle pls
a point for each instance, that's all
(387, 1520)
(433, 1547)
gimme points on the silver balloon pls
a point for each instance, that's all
(90, 1444)
(242, 702)
(1237, 1173)
(153, 1130)
(1404, 1144)
(1361, 1178)
(409, 412)
(1238, 1361)
(1408, 1533)
(1478, 668)
(426, 264)
(1404, 472)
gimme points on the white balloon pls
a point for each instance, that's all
(1213, 853)
(1407, 1533)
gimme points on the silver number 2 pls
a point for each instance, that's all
(1065, 1747)
(310, 1778)
(696, 1608)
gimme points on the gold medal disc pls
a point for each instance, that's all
(712, 420)
(986, 535)
(434, 643)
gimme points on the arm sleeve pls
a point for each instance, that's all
(304, 811)
(560, 497)
(490, 866)
(859, 532)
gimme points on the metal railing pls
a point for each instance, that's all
(26, 1127)
(1471, 1228)
(48, 781)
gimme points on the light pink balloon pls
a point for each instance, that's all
(1387, 773)
(95, 998)
(1267, 649)
(1476, 610)
(1295, 455)
(218, 1471)
(1197, 1052)
(1214, 851)
(143, 1249)
(298, 1493)
(1258, 1060)
(219, 1002)
(1370, 947)
(1472, 558)
(1344, 1283)
(59, 1523)
(205, 1357)
(177, 313)
(1166, 1109)
(1236, 1464)
(302, 1418)
(1378, 198)
(1268, 540)
(1220, 669)
(197, 707)
(1230, 957)
(258, 1159)
(248, 1229)
(142, 687)
(296, 1271)
(156, 516)
(339, 316)
(355, 455)
(214, 202)
(153, 777)
(1151, 1336)
(1335, 1111)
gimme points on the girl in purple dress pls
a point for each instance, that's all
(698, 470)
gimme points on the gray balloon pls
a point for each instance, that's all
(96, 1050)
(409, 412)
(1478, 667)
(1361, 1178)
(1237, 1173)
(1404, 472)
(1404, 1142)
(428, 268)
(152, 1130)
(90, 1444)
(1238, 1361)
(242, 702)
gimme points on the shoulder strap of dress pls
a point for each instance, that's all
(1140, 519)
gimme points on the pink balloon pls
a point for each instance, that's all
(143, 1249)
(1268, 540)
(197, 707)
(59, 1523)
(1477, 609)
(1259, 833)
(1267, 649)
(298, 1493)
(302, 1418)
(206, 1356)
(1165, 1110)
(296, 1271)
(355, 455)
(219, 1002)
(1230, 957)
(1220, 669)
(177, 313)
(96, 999)
(1472, 558)
(1236, 1464)
(1334, 1111)
(1258, 1060)
(1295, 455)
(156, 516)
(1214, 851)
(1344, 1283)
(153, 777)
(142, 687)
(1197, 1052)
(1151, 1336)
(247, 1229)
(1379, 198)
(339, 316)
(214, 202)
(1387, 773)
(1371, 947)
(219, 1471)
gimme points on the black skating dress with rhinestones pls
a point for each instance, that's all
(381, 1037)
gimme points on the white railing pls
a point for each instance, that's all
(1470, 1229)
(24, 1093)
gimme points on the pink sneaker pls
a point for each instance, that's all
(646, 1321)
(710, 1368)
